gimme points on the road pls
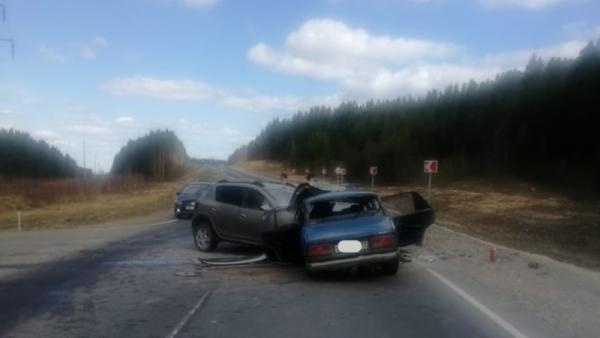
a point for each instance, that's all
(145, 281)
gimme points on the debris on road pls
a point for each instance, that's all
(229, 261)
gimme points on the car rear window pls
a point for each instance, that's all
(347, 206)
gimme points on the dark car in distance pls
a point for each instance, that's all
(327, 229)
(186, 200)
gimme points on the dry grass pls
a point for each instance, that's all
(71, 202)
(515, 214)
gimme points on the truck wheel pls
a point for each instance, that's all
(390, 268)
(204, 237)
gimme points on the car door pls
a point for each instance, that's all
(226, 210)
(255, 215)
(415, 215)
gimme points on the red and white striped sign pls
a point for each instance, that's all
(431, 166)
(373, 171)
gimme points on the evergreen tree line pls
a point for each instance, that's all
(540, 123)
(21, 156)
(160, 155)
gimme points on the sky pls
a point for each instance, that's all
(217, 71)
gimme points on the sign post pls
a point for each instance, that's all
(342, 174)
(323, 173)
(373, 172)
(337, 175)
(430, 167)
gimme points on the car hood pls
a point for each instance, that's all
(351, 228)
(186, 198)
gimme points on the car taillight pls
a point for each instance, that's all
(320, 250)
(383, 241)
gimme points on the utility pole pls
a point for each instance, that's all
(7, 40)
(84, 173)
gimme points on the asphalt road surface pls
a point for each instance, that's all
(148, 283)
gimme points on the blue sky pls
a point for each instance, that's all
(216, 71)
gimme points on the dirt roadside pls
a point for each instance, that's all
(562, 294)
(68, 210)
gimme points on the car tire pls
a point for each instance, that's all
(390, 268)
(205, 238)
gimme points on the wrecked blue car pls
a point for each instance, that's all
(325, 226)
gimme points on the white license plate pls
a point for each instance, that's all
(189, 207)
(349, 246)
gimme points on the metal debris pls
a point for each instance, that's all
(233, 261)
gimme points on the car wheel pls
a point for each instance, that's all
(390, 268)
(204, 237)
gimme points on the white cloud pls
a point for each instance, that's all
(527, 4)
(329, 49)
(200, 4)
(90, 50)
(581, 30)
(369, 66)
(46, 134)
(50, 54)
(87, 129)
(125, 120)
(190, 90)
(149, 87)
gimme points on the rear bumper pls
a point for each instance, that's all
(351, 262)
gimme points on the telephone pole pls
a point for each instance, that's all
(10, 41)
(84, 172)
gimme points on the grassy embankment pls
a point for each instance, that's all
(515, 214)
(74, 202)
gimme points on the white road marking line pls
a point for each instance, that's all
(485, 310)
(188, 315)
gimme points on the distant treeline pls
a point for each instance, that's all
(21, 156)
(541, 123)
(159, 155)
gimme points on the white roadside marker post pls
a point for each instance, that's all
(430, 167)
(373, 170)
(429, 188)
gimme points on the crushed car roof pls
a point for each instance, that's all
(338, 195)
